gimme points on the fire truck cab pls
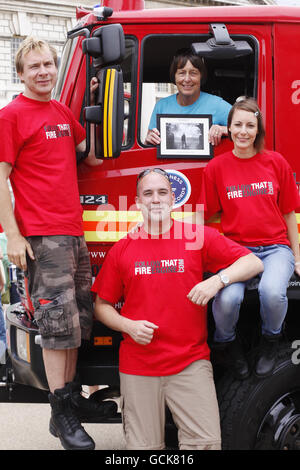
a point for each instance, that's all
(252, 51)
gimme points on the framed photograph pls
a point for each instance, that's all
(184, 136)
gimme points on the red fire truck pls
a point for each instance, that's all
(252, 51)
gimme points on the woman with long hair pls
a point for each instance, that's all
(255, 192)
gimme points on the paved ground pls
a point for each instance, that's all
(25, 427)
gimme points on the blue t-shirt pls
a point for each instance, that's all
(205, 104)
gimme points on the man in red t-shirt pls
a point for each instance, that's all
(164, 357)
(45, 236)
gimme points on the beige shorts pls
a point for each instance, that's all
(190, 397)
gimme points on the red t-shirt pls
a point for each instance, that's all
(154, 277)
(38, 139)
(252, 194)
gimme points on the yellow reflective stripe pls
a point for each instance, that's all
(110, 112)
(181, 215)
(112, 216)
(124, 216)
(105, 113)
(109, 217)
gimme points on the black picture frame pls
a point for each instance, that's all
(184, 136)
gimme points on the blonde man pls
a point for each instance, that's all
(45, 236)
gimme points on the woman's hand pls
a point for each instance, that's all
(153, 137)
(215, 134)
(297, 267)
(293, 236)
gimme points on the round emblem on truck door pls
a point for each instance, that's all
(181, 187)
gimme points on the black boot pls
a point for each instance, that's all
(65, 424)
(86, 409)
(267, 355)
(236, 359)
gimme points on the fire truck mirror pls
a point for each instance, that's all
(107, 46)
(92, 114)
(108, 114)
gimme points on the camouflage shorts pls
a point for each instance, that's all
(59, 282)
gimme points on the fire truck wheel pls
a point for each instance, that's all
(264, 413)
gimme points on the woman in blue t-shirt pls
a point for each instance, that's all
(186, 71)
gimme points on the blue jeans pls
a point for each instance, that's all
(279, 264)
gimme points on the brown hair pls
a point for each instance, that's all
(250, 105)
(31, 44)
(180, 59)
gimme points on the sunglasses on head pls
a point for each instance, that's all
(160, 171)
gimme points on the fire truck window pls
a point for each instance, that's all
(228, 78)
(63, 66)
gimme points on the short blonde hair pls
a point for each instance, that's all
(31, 44)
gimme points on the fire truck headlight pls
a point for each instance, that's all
(23, 347)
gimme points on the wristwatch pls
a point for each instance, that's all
(224, 279)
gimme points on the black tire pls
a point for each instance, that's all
(264, 413)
